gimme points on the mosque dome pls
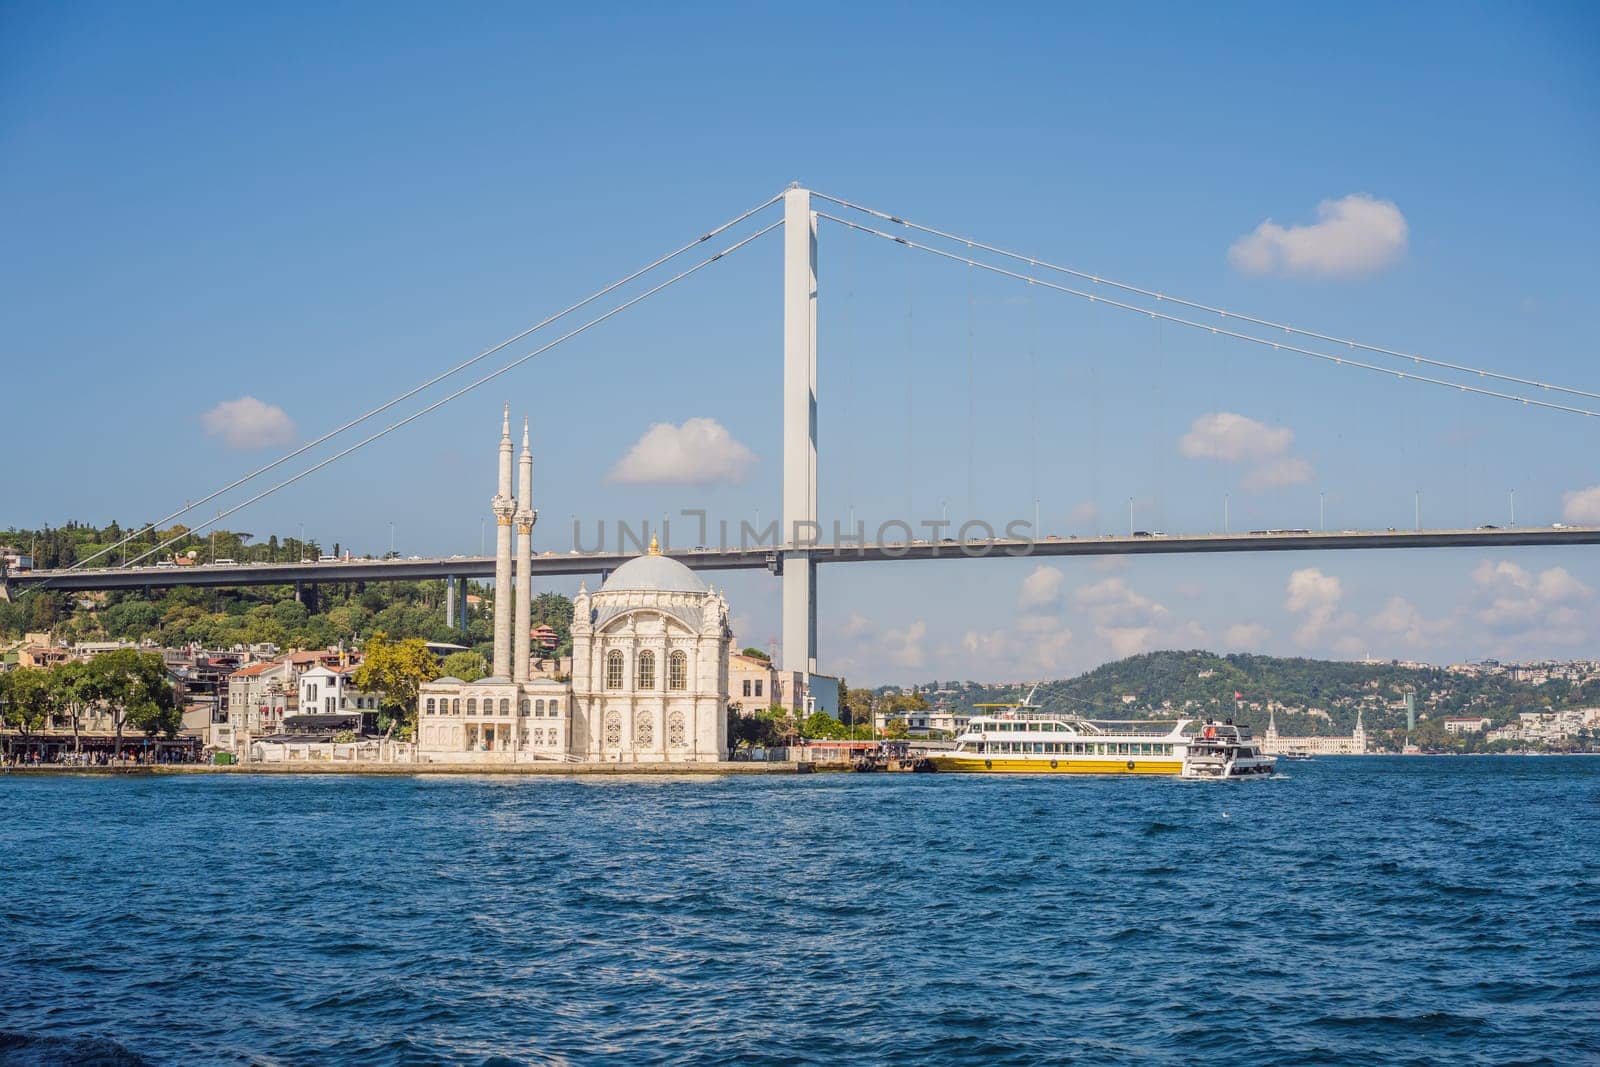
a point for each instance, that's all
(655, 574)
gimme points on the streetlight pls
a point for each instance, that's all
(391, 538)
(1322, 511)
(1130, 516)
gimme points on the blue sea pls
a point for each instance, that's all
(1360, 911)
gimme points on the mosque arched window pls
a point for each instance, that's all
(522, 709)
(539, 709)
(647, 670)
(678, 670)
(430, 705)
(555, 707)
(614, 669)
(505, 705)
(472, 705)
(455, 706)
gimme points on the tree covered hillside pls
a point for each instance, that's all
(1309, 696)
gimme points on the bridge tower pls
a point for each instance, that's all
(799, 430)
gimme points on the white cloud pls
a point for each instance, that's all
(1041, 589)
(1540, 606)
(1227, 435)
(1582, 506)
(1355, 235)
(855, 625)
(1233, 438)
(1316, 596)
(1245, 635)
(1128, 640)
(1038, 645)
(248, 423)
(905, 647)
(699, 452)
(1084, 514)
(1403, 619)
(1113, 603)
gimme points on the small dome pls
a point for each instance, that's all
(653, 573)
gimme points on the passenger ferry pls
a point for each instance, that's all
(1022, 738)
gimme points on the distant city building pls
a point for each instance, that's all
(1465, 724)
(1276, 744)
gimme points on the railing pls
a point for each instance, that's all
(1099, 727)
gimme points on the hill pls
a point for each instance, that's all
(1308, 696)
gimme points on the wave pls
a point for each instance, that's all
(42, 1050)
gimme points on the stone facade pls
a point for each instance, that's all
(649, 677)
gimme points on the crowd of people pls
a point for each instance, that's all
(129, 756)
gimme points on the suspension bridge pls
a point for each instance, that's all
(796, 551)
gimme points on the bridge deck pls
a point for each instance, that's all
(769, 557)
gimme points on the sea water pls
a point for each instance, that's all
(1358, 910)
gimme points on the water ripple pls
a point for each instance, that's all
(1360, 911)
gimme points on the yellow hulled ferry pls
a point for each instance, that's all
(1022, 738)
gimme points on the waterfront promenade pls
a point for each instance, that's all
(549, 769)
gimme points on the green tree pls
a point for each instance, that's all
(398, 668)
(131, 618)
(468, 666)
(819, 724)
(756, 653)
(765, 729)
(555, 611)
(74, 690)
(896, 730)
(137, 691)
(25, 699)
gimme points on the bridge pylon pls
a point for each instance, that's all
(799, 575)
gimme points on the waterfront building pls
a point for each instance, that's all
(340, 736)
(752, 683)
(755, 685)
(649, 668)
(326, 690)
(1465, 724)
(1276, 744)
(259, 696)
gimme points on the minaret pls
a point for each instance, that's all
(504, 509)
(526, 517)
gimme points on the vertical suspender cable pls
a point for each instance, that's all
(911, 414)
(972, 435)
(1033, 410)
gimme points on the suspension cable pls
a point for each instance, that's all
(519, 361)
(459, 367)
(1179, 320)
(1034, 261)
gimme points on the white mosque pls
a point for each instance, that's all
(649, 662)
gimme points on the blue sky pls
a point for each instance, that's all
(317, 208)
